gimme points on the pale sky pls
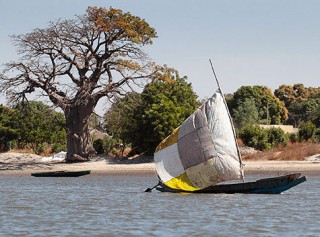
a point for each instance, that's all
(251, 42)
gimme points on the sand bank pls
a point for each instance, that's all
(25, 164)
(282, 167)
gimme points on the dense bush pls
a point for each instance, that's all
(264, 101)
(307, 131)
(254, 136)
(294, 137)
(111, 146)
(262, 139)
(7, 132)
(98, 146)
(317, 135)
(277, 136)
(32, 126)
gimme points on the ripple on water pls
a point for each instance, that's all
(117, 205)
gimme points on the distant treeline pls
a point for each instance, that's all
(140, 121)
(287, 105)
(294, 105)
(143, 120)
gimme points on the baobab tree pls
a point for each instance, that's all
(76, 62)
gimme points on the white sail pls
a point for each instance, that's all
(202, 151)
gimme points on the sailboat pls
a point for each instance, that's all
(202, 154)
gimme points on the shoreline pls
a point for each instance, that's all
(105, 168)
(277, 168)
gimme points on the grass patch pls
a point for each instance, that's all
(291, 152)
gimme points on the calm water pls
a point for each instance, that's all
(117, 206)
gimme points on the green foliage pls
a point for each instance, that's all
(38, 124)
(303, 103)
(267, 104)
(246, 113)
(294, 137)
(277, 136)
(254, 136)
(57, 147)
(303, 111)
(164, 107)
(145, 119)
(286, 94)
(296, 93)
(121, 120)
(307, 131)
(111, 146)
(262, 139)
(98, 146)
(317, 135)
(34, 125)
(7, 132)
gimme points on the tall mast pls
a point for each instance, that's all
(233, 129)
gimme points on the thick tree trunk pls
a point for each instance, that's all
(79, 144)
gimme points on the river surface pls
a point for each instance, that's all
(118, 206)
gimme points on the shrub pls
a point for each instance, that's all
(98, 146)
(57, 147)
(317, 135)
(254, 136)
(110, 146)
(277, 136)
(294, 137)
(40, 148)
(306, 131)
(262, 139)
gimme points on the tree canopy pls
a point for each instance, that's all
(246, 113)
(296, 93)
(37, 123)
(302, 102)
(269, 106)
(303, 111)
(145, 119)
(76, 62)
(7, 129)
(32, 126)
(120, 118)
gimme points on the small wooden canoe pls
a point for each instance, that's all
(274, 185)
(62, 173)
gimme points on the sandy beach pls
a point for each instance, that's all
(20, 164)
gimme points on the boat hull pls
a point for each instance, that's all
(273, 185)
(62, 173)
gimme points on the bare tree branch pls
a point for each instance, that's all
(77, 62)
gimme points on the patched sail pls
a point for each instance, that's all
(202, 151)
